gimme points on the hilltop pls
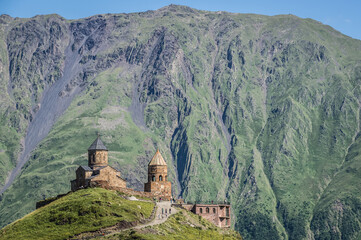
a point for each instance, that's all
(263, 111)
(93, 209)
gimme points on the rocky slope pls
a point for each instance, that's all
(263, 111)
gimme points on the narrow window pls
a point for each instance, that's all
(160, 178)
(201, 210)
(153, 178)
(166, 177)
(214, 210)
(207, 209)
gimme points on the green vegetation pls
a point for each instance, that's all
(81, 211)
(261, 110)
(182, 225)
(9, 118)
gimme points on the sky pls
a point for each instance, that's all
(343, 15)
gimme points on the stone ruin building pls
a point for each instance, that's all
(219, 214)
(99, 174)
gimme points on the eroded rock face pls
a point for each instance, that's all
(263, 111)
(36, 51)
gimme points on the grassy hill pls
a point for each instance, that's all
(263, 111)
(91, 209)
(183, 225)
(81, 211)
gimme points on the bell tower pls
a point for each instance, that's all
(158, 183)
(97, 154)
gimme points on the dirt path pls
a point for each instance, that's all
(161, 215)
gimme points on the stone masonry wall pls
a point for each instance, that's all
(97, 158)
(157, 172)
(159, 189)
(209, 212)
(111, 176)
(127, 191)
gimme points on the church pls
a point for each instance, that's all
(158, 183)
(98, 173)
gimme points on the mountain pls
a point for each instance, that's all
(89, 211)
(263, 111)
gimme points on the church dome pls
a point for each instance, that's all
(157, 160)
(97, 145)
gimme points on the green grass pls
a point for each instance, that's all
(81, 211)
(9, 120)
(290, 102)
(183, 225)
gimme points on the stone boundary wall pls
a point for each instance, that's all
(128, 191)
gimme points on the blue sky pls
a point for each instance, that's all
(343, 15)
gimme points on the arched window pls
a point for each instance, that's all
(160, 178)
(207, 209)
(153, 178)
(201, 210)
(166, 177)
(214, 210)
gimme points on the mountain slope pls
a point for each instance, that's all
(263, 111)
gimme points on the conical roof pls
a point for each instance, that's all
(97, 145)
(157, 159)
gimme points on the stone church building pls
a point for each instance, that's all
(98, 172)
(158, 183)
